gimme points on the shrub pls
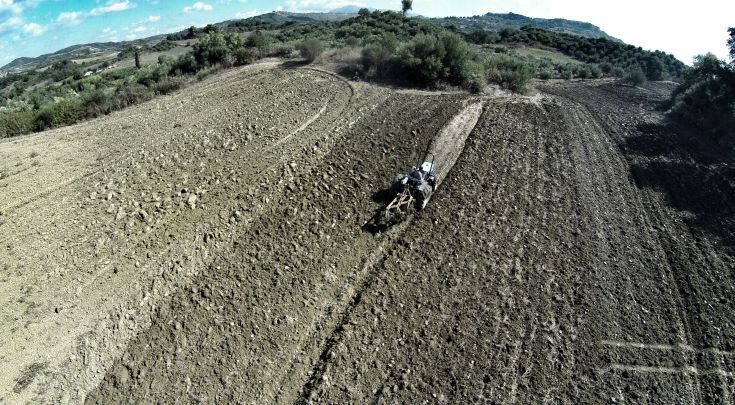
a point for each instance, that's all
(169, 85)
(423, 59)
(377, 56)
(260, 41)
(185, 64)
(216, 48)
(97, 103)
(310, 49)
(473, 74)
(132, 94)
(635, 77)
(282, 51)
(63, 113)
(508, 72)
(352, 42)
(16, 123)
(706, 98)
(244, 56)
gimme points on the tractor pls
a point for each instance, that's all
(411, 192)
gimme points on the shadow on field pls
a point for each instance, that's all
(694, 175)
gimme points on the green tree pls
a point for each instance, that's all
(406, 5)
(260, 41)
(635, 76)
(363, 12)
(191, 33)
(137, 58)
(731, 44)
(654, 69)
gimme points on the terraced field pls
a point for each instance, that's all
(210, 246)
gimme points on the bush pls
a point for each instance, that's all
(635, 77)
(244, 56)
(706, 98)
(97, 103)
(63, 113)
(310, 49)
(185, 64)
(282, 51)
(132, 94)
(473, 74)
(169, 85)
(423, 59)
(352, 42)
(260, 41)
(377, 56)
(16, 123)
(510, 73)
(217, 48)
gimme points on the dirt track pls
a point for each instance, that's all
(208, 246)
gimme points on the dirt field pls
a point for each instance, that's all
(209, 246)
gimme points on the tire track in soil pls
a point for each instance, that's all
(597, 149)
(261, 289)
(693, 261)
(60, 380)
(447, 146)
(411, 375)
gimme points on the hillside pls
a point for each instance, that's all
(72, 52)
(496, 22)
(489, 21)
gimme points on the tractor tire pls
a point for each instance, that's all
(422, 197)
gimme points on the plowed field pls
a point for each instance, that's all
(211, 246)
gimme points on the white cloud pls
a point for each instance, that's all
(247, 14)
(10, 24)
(111, 7)
(198, 6)
(319, 5)
(10, 6)
(139, 29)
(70, 17)
(154, 18)
(34, 29)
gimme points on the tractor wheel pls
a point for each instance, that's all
(422, 199)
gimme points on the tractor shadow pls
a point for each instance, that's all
(696, 176)
(377, 223)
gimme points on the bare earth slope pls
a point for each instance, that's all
(208, 247)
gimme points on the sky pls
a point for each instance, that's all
(34, 27)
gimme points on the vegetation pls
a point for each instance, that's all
(384, 46)
(656, 65)
(406, 6)
(310, 49)
(72, 97)
(706, 98)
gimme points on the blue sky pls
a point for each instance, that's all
(34, 27)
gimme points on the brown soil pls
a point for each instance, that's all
(208, 247)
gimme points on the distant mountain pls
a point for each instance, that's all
(350, 9)
(280, 17)
(496, 22)
(71, 52)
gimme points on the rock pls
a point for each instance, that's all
(191, 201)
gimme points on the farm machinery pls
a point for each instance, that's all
(410, 192)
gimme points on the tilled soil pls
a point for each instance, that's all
(211, 247)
